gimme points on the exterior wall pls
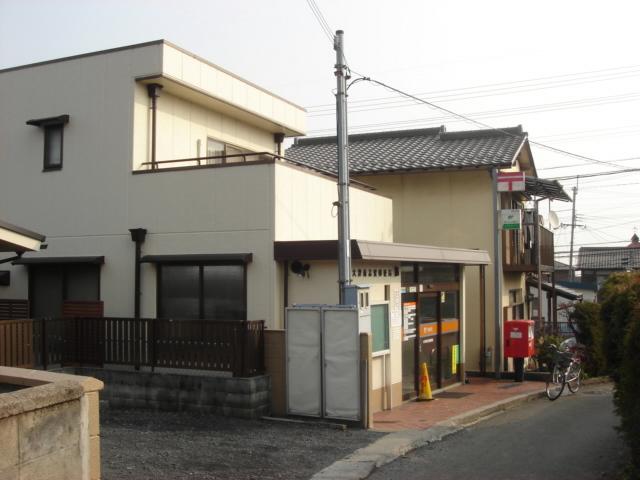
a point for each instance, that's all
(229, 88)
(181, 123)
(449, 209)
(304, 209)
(64, 410)
(321, 287)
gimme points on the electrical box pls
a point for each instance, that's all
(358, 295)
(519, 341)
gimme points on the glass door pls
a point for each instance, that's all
(428, 341)
(449, 338)
(409, 335)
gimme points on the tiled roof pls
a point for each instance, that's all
(608, 258)
(406, 150)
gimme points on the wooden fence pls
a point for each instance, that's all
(10, 309)
(233, 346)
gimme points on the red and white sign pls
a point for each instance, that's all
(511, 182)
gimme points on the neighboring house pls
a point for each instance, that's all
(597, 263)
(562, 271)
(151, 148)
(442, 187)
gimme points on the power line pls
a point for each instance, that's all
(599, 174)
(321, 20)
(506, 85)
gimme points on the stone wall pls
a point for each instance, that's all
(220, 395)
(50, 429)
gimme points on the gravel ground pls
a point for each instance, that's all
(143, 444)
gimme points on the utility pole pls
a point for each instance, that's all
(344, 236)
(573, 227)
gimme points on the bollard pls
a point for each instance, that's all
(425, 385)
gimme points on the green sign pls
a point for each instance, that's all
(511, 219)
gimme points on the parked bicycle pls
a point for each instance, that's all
(567, 369)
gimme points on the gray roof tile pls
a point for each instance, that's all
(406, 150)
(608, 258)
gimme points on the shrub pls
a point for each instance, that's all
(590, 333)
(627, 394)
(619, 294)
(544, 354)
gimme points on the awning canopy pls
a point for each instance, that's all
(541, 188)
(379, 251)
(561, 291)
(44, 122)
(199, 258)
(18, 240)
(93, 260)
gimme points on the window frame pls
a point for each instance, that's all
(384, 351)
(225, 147)
(200, 266)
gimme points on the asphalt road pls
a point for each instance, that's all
(573, 437)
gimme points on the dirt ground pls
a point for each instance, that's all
(142, 444)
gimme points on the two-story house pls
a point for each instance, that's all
(159, 181)
(443, 186)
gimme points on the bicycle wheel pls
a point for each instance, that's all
(573, 377)
(555, 383)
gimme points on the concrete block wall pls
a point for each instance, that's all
(50, 429)
(229, 396)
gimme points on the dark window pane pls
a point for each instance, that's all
(437, 273)
(407, 274)
(180, 291)
(224, 295)
(380, 327)
(46, 291)
(450, 306)
(53, 146)
(83, 282)
(428, 309)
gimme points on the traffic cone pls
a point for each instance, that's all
(425, 386)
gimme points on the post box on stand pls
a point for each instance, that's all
(519, 342)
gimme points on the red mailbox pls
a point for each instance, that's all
(518, 338)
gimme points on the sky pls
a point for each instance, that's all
(567, 71)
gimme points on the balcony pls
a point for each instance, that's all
(519, 250)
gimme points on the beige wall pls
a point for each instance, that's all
(322, 287)
(230, 88)
(449, 209)
(304, 208)
(51, 428)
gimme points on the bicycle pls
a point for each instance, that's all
(567, 370)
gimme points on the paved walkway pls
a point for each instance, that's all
(478, 393)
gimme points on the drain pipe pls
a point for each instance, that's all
(278, 139)
(153, 89)
(138, 236)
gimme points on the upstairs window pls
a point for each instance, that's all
(216, 148)
(53, 128)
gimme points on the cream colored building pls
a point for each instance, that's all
(442, 185)
(151, 147)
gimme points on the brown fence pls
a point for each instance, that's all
(16, 343)
(233, 346)
(10, 309)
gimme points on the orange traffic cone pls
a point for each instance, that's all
(425, 386)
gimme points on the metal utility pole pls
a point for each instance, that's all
(344, 237)
(573, 227)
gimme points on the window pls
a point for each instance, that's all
(53, 140)
(216, 148)
(53, 147)
(380, 327)
(437, 273)
(216, 292)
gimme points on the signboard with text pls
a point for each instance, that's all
(510, 219)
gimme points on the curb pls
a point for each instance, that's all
(361, 463)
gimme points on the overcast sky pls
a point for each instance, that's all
(567, 71)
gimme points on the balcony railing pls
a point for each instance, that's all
(203, 162)
(520, 250)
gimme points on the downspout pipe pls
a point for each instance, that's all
(278, 138)
(497, 274)
(153, 89)
(138, 236)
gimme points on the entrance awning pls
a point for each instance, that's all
(92, 260)
(378, 251)
(541, 188)
(199, 258)
(18, 240)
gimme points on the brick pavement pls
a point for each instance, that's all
(478, 393)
